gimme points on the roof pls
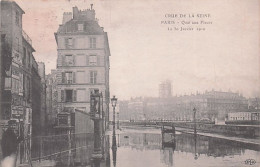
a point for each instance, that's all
(14, 3)
(90, 27)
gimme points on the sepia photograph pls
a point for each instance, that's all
(130, 83)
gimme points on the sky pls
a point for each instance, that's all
(145, 52)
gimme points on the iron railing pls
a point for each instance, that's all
(55, 147)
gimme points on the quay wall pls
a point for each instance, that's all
(235, 130)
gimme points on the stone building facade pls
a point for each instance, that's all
(19, 69)
(41, 71)
(83, 61)
(37, 115)
(51, 100)
(17, 103)
(210, 105)
(165, 89)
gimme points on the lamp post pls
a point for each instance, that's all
(114, 147)
(114, 101)
(194, 119)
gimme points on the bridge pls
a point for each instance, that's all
(247, 134)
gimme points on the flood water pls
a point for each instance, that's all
(144, 148)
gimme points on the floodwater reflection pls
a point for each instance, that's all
(139, 148)
(145, 148)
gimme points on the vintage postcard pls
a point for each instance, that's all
(130, 83)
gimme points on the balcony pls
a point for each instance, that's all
(27, 38)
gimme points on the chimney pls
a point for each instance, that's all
(67, 16)
(75, 12)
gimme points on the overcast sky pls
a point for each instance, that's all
(143, 52)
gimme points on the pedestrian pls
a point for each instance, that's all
(9, 145)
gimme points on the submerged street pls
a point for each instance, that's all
(141, 147)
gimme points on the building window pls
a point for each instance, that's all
(92, 42)
(29, 59)
(80, 27)
(6, 113)
(68, 95)
(93, 60)
(17, 44)
(68, 77)
(17, 18)
(69, 60)
(7, 83)
(15, 71)
(69, 42)
(24, 56)
(15, 85)
(93, 77)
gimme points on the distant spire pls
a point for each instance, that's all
(91, 6)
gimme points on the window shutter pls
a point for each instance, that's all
(90, 42)
(63, 77)
(74, 60)
(95, 77)
(66, 42)
(74, 95)
(85, 27)
(73, 43)
(86, 77)
(62, 96)
(63, 60)
(87, 60)
(74, 77)
(98, 60)
(91, 77)
(94, 43)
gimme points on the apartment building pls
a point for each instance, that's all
(83, 61)
(20, 71)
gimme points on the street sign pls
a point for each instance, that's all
(17, 112)
(4, 124)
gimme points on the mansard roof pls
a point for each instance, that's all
(90, 27)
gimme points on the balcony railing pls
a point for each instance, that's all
(27, 38)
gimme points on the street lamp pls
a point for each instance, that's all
(114, 101)
(114, 147)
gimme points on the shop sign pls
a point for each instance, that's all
(17, 112)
